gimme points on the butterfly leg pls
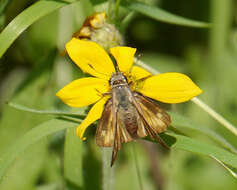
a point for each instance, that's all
(116, 145)
(117, 139)
(107, 94)
(103, 94)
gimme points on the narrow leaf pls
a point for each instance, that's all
(29, 138)
(24, 20)
(73, 159)
(192, 145)
(164, 16)
(185, 125)
(231, 170)
(14, 124)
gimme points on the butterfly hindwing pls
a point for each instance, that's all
(155, 119)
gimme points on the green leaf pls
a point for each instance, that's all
(43, 66)
(195, 146)
(232, 171)
(46, 112)
(30, 138)
(11, 129)
(126, 21)
(164, 16)
(73, 159)
(24, 20)
(185, 125)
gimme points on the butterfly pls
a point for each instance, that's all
(119, 92)
(127, 116)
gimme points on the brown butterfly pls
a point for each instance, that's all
(128, 115)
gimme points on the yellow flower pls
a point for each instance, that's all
(93, 59)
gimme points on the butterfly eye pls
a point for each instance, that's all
(116, 82)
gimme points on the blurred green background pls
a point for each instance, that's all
(32, 71)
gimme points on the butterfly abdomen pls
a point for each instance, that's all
(130, 121)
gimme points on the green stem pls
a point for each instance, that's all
(137, 167)
(221, 15)
(71, 119)
(46, 112)
(108, 172)
(126, 21)
(110, 7)
(230, 170)
(145, 66)
(215, 115)
(225, 123)
(117, 9)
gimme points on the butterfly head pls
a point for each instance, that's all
(118, 79)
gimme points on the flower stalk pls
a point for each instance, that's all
(137, 166)
(108, 172)
(219, 118)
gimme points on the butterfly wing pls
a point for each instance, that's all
(106, 130)
(111, 130)
(120, 124)
(155, 119)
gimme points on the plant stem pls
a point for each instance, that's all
(198, 102)
(110, 9)
(108, 172)
(117, 9)
(232, 171)
(126, 21)
(145, 66)
(137, 167)
(215, 115)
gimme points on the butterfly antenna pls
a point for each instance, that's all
(114, 63)
(138, 58)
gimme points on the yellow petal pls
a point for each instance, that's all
(139, 73)
(90, 57)
(93, 115)
(83, 92)
(170, 88)
(124, 57)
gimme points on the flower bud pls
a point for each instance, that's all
(97, 29)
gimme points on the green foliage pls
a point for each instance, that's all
(37, 133)
(38, 146)
(24, 20)
(73, 156)
(195, 146)
(164, 16)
